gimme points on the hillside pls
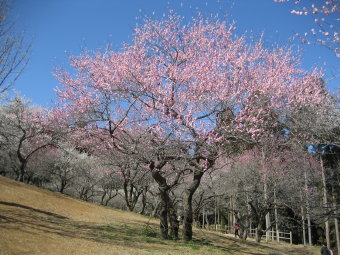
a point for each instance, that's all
(38, 221)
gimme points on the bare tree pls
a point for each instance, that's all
(109, 186)
(22, 134)
(13, 50)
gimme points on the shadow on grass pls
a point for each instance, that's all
(18, 217)
(23, 218)
(33, 209)
(239, 245)
(230, 248)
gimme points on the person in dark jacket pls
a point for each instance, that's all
(324, 250)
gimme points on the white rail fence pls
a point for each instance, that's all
(269, 236)
(272, 235)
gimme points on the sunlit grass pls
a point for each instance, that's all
(36, 221)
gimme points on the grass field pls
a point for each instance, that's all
(38, 221)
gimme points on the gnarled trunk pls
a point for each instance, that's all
(188, 216)
(166, 206)
(187, 204)
(174, 224)
(131, 195)
(244, 233)
(163, 216)
(259, 233)
(22, 169)
(144, 200)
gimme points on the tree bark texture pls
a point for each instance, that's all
(166, 208)
(325, 202)
(187, 204)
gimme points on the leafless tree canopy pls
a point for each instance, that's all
(13, 50)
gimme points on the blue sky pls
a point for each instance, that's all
(60, 28)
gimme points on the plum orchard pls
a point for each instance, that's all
(196, 86)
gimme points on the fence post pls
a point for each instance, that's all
(290, 237)
(272, 234)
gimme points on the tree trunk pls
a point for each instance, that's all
(244, 232)
(163, 217)
(249, 214)
(259, 220)
(268, 224)
(265, 191)
(336, 223)
(218, 214)
(102, 198)
(215, 214)
(22, 170)
(232, 215)
(203, 218)
(174, 223)
(244, 228)
(107, 201)
(131, 197)
(325, 203)
(144, 200)
(187, 204)
(63, 183)
(155, 210)
(188, 219)
(276, 218)
(303, 226)
(165, 202)
(259, 233)
(309, 226)
(303, 220)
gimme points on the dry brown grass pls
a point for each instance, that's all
(37, 221)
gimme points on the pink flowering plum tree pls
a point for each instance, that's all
(325, 30)
(192, 85)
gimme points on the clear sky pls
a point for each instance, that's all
(60, 28)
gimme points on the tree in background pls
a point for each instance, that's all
(13, 51)
(22, 135)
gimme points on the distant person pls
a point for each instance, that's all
(325, 251)
(237, 227)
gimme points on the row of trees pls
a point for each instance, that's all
(180, 112)
(280, 188)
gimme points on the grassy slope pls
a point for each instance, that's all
(37, 221)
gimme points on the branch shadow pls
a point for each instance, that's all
(18, 217)
(33, 209)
